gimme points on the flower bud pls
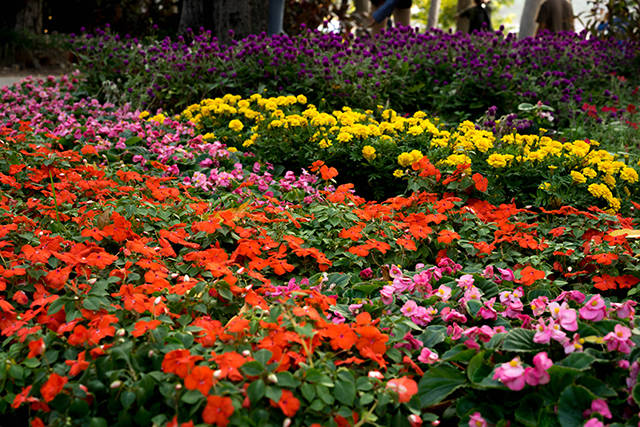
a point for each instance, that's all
(115, 384)
(272, 378)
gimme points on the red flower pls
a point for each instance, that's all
(52, 387)
(405, 388)
(447, 236)
(480, 182)
(36, 347)
(288, 403)
(218, 410)
(529, 275)
(200, 378)
(142, 326)
(78, 365)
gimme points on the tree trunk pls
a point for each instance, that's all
(195, 14)
(434, 10)
(462, 24)
(528, 18)
(29, 17)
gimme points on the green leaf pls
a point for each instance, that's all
(308, 391)
(286, 379)
(273, 393)
(437, 383)
(459, 352)
(434, 334)
(127, 398)
(596, 386)
(253, 368)
(345, 389)
(191, 396)
(527, 412)
(324, 394)
(572, 403)
(316, 376)
(635, 393)
(520, 340)
(263, 356)
(579, 361)
(256, 391)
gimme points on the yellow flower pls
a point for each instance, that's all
(415, 156)
(499, 160)
(609, 180)
(398, 173)
(457, 159)
(144, 115)
(236, 125)
(415, 130)
(209, 135)
(301, 99)
(368, 152)
(544, 186)
(629, 174)
(159, 118)
(589, 172)
(344, 137)
(600, 191)
(405, 159)
(324, 143)
(232, 149)
(578, 177)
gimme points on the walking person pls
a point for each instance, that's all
(382, 10)
(479, 16)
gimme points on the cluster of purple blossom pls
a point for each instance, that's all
(363, 71)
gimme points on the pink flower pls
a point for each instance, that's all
(488, 272)
(421, 316)
(511, 374)
(600, 406)
(450, 315)
(538, 374)
(476, 420)
(465, 281)
(619, 339)
(444, 292)
(454, 332)
(409, 308)
(506, 274)
(571, 345)
(487, 311)
(593, 422)
(428, 356)
(539, 304)
(411, 342)
(386, 294)
(594, 310)
(624, 310)
(566, 317)
(366, 274)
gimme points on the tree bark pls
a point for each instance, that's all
(195, 14)
(29, 16)
(528, 18)
(462, 24)
(434, 10)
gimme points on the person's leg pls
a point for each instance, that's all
(378, 27)
(276, 15)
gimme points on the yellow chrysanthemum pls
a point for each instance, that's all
(629, 174)
(236, 125)
(368, 152)
(578, 177)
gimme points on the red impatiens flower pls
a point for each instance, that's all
(52, 387)
(481, 183)
(529, 275)
(200, 378)
(142, 326)
(218, 410)
(288, 403)
(78, 365)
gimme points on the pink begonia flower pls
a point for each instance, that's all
(421, 316)
(422, 281)
(624, 310)
(465, 281)
(593, 422)
(355, 308)
(476, 420)
(454, 331)
(539, 304)
(408, 308)
(488, 272)
(450, 315)
(511, 374)
(395, 271)
(576, 296)
(387, 294)
(600, 406)
(571, 345)
(366, 274)
(427, 356)
(538, 374)
(487, 311)
(544, 333)
(567, 318)
(403, 284)
(444, 292)
(619, 339)
(483, 333)
(594, 310)
(471, 293)
(411, 343)
(506, 274)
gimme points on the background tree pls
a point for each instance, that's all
(528, 18)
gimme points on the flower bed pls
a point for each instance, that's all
(135, 291)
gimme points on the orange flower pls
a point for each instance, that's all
(218, 410)
(36, 347)
(447, 236)
(480, 182)
(405, 388)
(142, 326)
(78, 365)
(200, 378)
(328, 173)
(288, 403)
(52, 387)
(529, 275)
(341, 336)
